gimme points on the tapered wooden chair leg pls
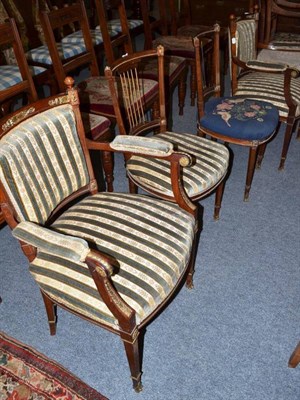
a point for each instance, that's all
(295, 357)
(51, 313)
(182, 93)
(286, 144)
(218, 200)
(133, 347)
(250, 171)
(260, 155)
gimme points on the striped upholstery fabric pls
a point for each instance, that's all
(42, 163)
(66, 50)
(148, 241)
(268, 87)
(246, 40)
(10, 75)
(211, 163)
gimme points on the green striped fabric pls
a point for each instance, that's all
(268, 87)
(148, 241)
(245, 35)
(41, 163)
(53, 242)
(259, 85)
(211, 162)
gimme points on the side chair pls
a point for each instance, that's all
(93, 88)
(167, 30)
(114, 259)
(231, 119)
(208, 160)
(276, 83)
(175, 66)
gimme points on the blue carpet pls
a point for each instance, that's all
(230, 338)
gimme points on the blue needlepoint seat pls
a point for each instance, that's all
(240, 118)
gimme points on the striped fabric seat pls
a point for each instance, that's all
(268, 87)
(211, 163)
(148, 241)
(42, 163)
(10, 75)
(41, 54)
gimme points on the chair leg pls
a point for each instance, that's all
(108, 167)
(51, 310)
(182, 92)
(193, 83)
(218, 200)
(250, 170)
(191, 269)
(286, 143)
(133, 347)
(260, 155)
(295, 357)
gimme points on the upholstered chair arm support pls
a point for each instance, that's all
(77, 250)
(143, 146)
(152, 147)
(42, 238)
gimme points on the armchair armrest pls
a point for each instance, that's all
(42, 238)
(141, 145)
(265, 66)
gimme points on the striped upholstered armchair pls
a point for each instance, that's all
(114, 259)
(252, 78)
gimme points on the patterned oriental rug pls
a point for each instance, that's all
(26, 374)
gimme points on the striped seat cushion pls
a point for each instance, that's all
(95, 95)
(268, 87)
(148, 241)
(66, 50)
(10, 75)
(211, 163)
(286, 40)
(41, 163)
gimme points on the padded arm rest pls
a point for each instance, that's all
(142, 145)
(265, 66)
(43, 238)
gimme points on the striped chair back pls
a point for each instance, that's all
(41, 162)
(246, 39)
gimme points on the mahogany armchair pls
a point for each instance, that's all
(114, 259)
(262, 81)
(209, 160)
